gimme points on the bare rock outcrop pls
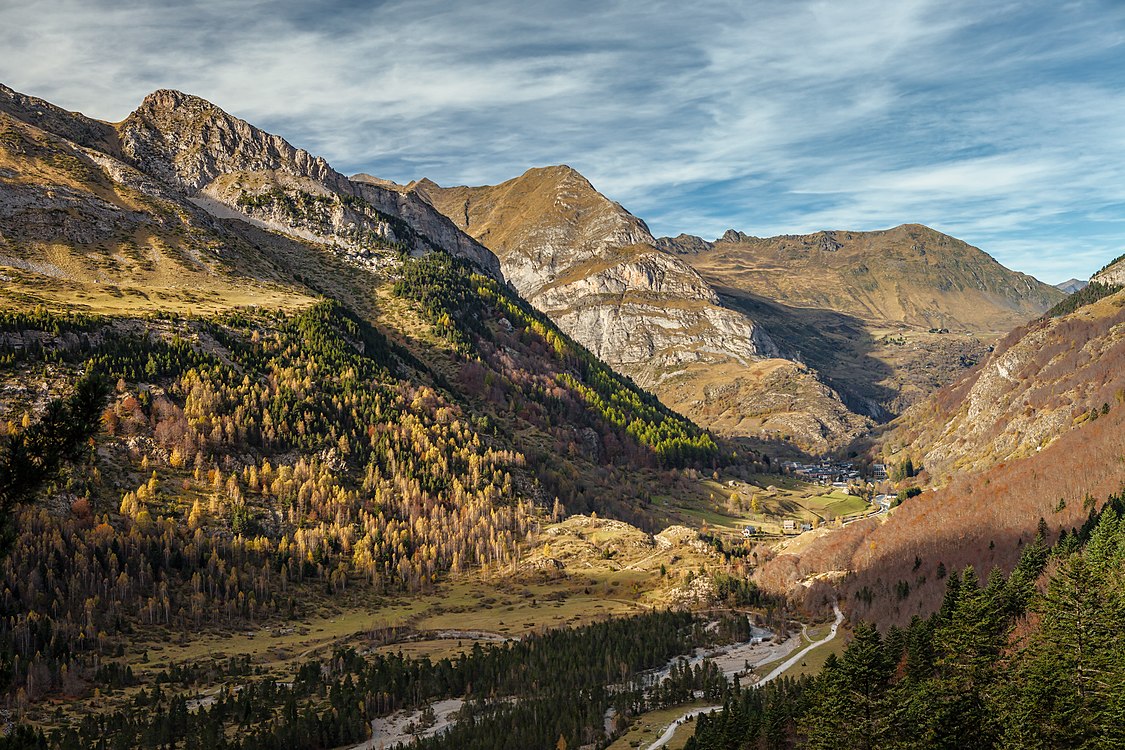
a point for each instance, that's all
(1114, 273)
(207, 153)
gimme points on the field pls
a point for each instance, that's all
(731, 504)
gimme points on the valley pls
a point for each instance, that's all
(290, 459)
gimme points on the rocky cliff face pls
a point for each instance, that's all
(219, 159)
(648, 314)
(1114, 273)
(596, 270)
(189, 141)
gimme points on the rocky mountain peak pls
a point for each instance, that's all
(189, 141)
(541, 224)
(684, 244)
(171, 100)
(1070, 286)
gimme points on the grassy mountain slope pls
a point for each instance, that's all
(77, 226)
(909, 274)
(1036, 431)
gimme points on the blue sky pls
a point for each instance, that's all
(1002, 123)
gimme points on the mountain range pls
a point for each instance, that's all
(264, 423)
(804, 339)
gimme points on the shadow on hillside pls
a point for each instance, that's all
(838, 346)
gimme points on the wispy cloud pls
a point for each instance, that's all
(1003, 124)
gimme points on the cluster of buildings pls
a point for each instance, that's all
(831, 473)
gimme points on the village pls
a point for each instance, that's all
(849, 494)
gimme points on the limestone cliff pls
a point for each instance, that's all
(1113, 273)
(596, 270)
(217, 158)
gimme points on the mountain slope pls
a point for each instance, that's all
(885, 317)
(188, 141)
(1040, 381)
(807, 338)
(592, 267)
(314, 402)
(1037, 431)
(909, 274)
(183, 208)
(595, 270)
(185, 199)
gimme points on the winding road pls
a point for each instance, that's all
(773, 675)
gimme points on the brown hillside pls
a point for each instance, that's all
(539, 224)
(1038, 430)
(909, 274)
(1040, 381)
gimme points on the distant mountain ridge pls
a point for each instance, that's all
(910, 274)
(1070, 286)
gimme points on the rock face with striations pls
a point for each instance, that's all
(236, 170)
(1113, 274)
(594, 268)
